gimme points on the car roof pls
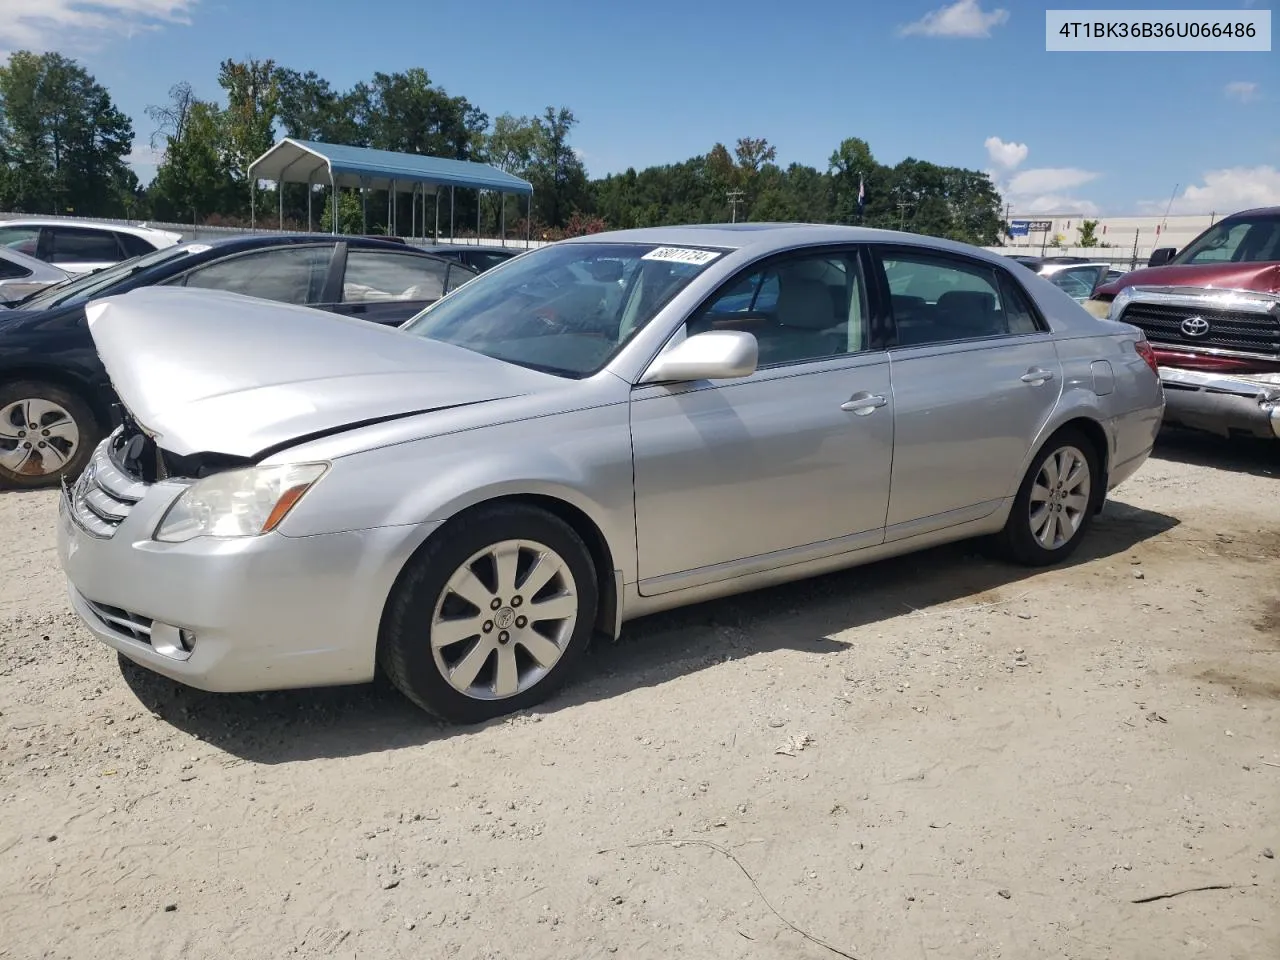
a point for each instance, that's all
(137, 231)
(764, 238)
(1255, 212)
(251, 240)
(468, 247)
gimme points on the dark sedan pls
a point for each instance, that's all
(56, 402)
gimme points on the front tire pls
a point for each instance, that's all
(46, 433)
(491, 615)
(1056, 501)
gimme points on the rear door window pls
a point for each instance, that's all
(939, 299)
(133, 246)
(78, 245)
(375, 276)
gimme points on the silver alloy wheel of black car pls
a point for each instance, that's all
(38, 437)
(1060, 497)
(503, 619)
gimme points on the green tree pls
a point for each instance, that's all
(248, 122)
(1088, 234)
(850, 165)
(350, 217)
(63, 141)
(195, 178)
(309, 109)
(558, 176)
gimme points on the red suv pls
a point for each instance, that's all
(1212, 314)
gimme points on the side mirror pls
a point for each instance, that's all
(715, 355)
(1161, 255)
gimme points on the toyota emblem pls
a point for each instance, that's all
(1195, 327)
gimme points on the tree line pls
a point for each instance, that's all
(65, 148)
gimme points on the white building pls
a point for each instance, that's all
(1121, 235)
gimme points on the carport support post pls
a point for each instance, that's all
(479, 204)
(413, 214)
(280, 204)
(528, 220)
(502, 217)
(451, 237)
(364, 208)
(435, 234)
(333, 198)
(309, 230)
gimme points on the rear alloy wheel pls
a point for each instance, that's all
(46, 433)
(1056, 501)
(489, 618)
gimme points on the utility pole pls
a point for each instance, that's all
(902, 214)
(735, 198)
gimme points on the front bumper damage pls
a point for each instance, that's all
(1224, 404)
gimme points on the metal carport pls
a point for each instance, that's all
(337, 165)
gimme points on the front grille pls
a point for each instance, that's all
(104, 494)
(132, 625)
(1228, 329)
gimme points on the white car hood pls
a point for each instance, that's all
(213, 372)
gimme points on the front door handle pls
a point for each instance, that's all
(862, 404)
(1037, 376)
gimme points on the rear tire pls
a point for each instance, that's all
(46, 433)
(1056, 502)
(491, 615)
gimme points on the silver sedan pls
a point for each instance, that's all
(591, 432)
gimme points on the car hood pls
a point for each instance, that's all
(213, 372)
(1263, 277)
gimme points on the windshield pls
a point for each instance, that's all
(564, 309)
(1239, 240)
(83, 288)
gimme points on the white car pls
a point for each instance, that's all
(79, 246)
(21, 276)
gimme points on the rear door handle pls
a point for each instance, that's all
(862, 404)
(1037, 376)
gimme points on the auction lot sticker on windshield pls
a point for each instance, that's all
(682, 255)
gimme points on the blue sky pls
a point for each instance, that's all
(969, 84)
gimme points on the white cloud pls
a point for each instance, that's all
(1039, 190)
(64, 24)
(1225, 191)
(1007, 155)
(1049, 180)
(143, 156)
(964, 18)
(1053, 203)
(1242, 90)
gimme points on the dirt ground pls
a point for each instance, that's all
(940, 756)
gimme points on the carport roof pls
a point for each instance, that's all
(308, 161)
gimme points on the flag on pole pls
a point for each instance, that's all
(862, 196)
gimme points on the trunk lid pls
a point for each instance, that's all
(214, 372)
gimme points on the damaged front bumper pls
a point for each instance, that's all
(1225, 404)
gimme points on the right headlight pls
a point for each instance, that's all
(238, 503)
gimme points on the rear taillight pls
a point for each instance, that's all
(1148, 354)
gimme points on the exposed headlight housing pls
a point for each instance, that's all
(1119, 303)
(238, 503)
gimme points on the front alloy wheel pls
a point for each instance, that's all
(503, 619)
(490, 614)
